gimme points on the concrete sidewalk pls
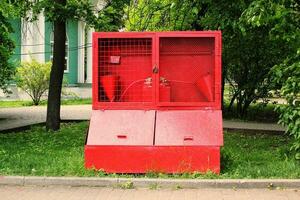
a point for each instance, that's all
(81, 193)
(14, 118)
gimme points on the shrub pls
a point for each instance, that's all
(288, 76)
(33, 78)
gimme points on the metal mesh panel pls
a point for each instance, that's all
(186, 69)
(125, 69)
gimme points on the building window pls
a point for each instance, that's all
(66, 66)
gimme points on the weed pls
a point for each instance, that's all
(154, 186)
(178, 187)
(126, 185)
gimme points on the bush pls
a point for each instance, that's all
(288, 76)
(33, 78)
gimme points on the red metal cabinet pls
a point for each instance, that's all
(156, 102)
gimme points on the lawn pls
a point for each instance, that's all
(76, 101)
(38, 153)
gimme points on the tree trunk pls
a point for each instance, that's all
(232, 101)
(57, 72)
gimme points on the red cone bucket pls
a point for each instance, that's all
(109, 84)
(204, 84)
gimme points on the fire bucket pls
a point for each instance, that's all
(204, 85)
(110, 85)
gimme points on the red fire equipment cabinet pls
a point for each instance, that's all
(156, 102)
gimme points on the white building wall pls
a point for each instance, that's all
(33, 39)
(89, 61)
(98, 4)
(81, 49)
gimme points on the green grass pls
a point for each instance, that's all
(40, 153)
(76, 101)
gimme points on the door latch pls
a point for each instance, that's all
(155, 69)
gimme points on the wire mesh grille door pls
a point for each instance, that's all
(125, 70)
(186, 69)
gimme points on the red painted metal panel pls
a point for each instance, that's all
(189, 128)
(187, 59)
(95, 71)
(130, 70)
(143, 159)
(119, 127)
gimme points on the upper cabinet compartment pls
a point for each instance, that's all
(124, 64)
(157, 70)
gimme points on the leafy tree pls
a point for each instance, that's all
(287, 75)
(33, 77)
(58, 12)
(111, 17)
(283, 17)
(248, 52)
(157, 15)
(6, 46)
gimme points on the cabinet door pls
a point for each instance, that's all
(189, 128)
(121, 127)
(189, 69)
(123, 74)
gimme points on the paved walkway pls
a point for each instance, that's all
(82, 193)
(11, 118)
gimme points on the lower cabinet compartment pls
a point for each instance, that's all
(138, 141)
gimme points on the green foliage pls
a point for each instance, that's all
(6, 46)
(36, 153)
(54, 11)
(248, 51)
(156, 15)
(288, 76)
(33, 77)
(106, 18)
(283, 17)
(110, 18)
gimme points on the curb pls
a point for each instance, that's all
(148, 183)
